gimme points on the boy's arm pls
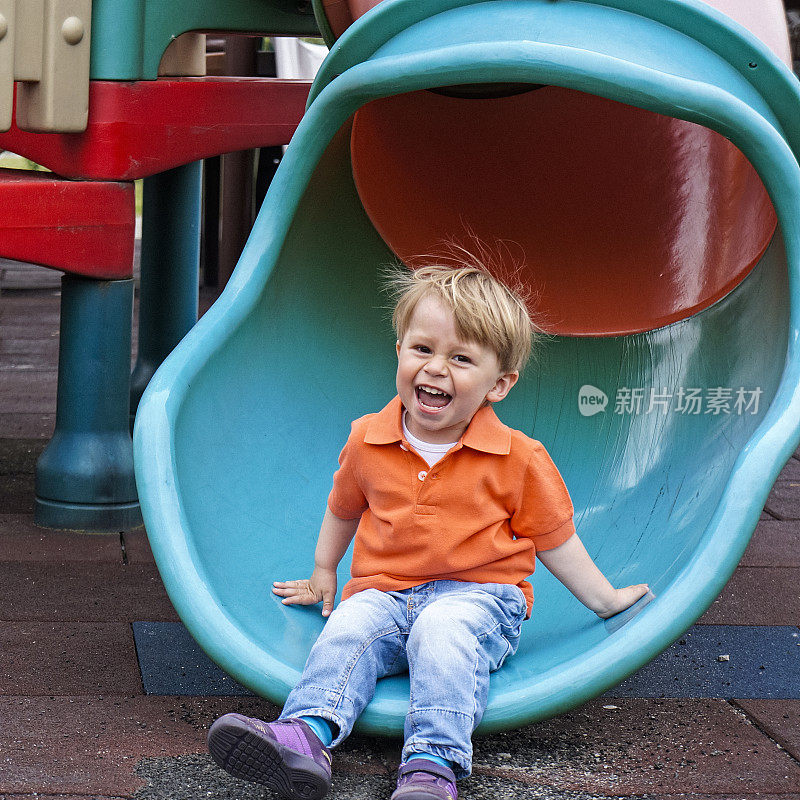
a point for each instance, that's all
(335, 536)
(573, 566)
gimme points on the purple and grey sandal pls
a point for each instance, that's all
(285, 755)
(420, 779)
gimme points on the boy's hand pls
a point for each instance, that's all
(622, 599)
(320, 587)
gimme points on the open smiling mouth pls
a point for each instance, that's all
(432, 399)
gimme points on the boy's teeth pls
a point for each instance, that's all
(432, 398)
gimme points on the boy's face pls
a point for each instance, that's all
(441, 379)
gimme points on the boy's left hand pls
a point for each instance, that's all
(622, 599)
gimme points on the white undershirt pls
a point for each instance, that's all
(430, 452)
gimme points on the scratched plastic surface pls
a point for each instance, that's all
(238, 434)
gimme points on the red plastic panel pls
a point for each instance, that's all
(627, 220)
(141, 128)
(82, 227)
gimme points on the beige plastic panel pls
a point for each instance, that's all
(185, 57)
(29, 40)
(6, 63)
(59, 100)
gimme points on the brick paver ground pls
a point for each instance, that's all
(75, 723)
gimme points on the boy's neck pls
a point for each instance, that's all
(413, 437)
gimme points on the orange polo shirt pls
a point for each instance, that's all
(479, 514)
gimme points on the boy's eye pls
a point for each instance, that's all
(463, 359)
(422, 348)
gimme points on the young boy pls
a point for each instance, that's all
(449, 509)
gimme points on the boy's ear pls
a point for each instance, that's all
(502, 387)
(397, 347)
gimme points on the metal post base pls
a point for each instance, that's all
(85, 478)
(99, 518)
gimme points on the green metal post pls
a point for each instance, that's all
(169, 268)
(84, 478)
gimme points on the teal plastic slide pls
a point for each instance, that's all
(641, 157)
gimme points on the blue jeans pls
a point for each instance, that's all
(449, 635)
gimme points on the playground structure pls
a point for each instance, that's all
(87, 91)
(642, 158)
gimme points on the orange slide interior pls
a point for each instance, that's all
(626, 220)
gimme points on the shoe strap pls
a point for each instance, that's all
(425, 765)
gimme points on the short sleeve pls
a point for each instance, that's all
(347, 500)
(544, 511)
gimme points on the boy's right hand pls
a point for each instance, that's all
(320, 587)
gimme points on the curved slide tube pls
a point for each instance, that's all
(658, 153)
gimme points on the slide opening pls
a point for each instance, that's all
(626, 220)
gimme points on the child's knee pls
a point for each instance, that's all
(357, 626)
(444, 628)
(455, 632)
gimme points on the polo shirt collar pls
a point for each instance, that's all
(485, 432)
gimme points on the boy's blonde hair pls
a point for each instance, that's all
(486, 310)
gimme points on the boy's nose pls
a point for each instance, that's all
(436, 365)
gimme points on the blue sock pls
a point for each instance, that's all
(444, 762)
(321, 727)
